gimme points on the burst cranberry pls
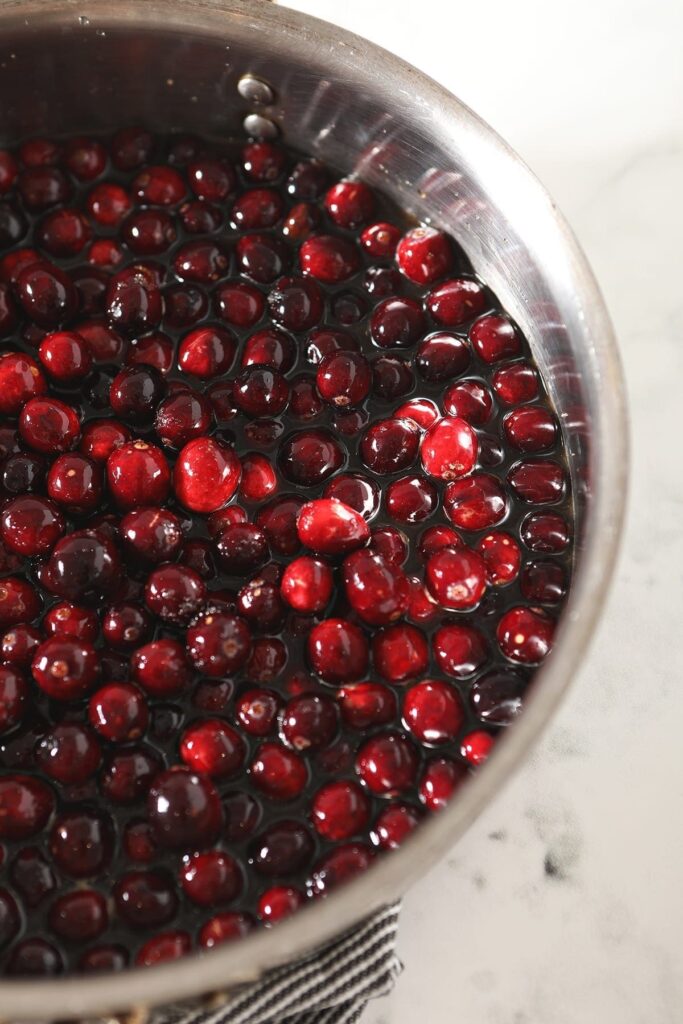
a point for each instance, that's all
(145, 899)
(390, 445)
(397, 322)
(118, 712)
(307, 585)
(174, 593)
(71, 620)
(525, 635)
(225, 928)
(393, 825)
(411, 499)
(477, 503)
(212, 747)
(338, 651)
(350, 204)
(309, 722)
(206, 475)
(424, 255)
(433, 712)
(31, 525)
(277, 772)
(83, 566)
(376, 590)
(502, 557)
(495, 338)
(48, 425)
(400, 653)
(278, 903)
(152, 534)
(456, 577)
(184, 809)
(81, 843)
(515, 383)
(211, 879)
(476, 747)
(133, 300)
(160, 667)
(138, 474)
(218, 643)
(545, 532)
(296, 303)
(310, 457)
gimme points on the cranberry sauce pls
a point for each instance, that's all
(285, 530)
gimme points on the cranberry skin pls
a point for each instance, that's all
(502, 557)
(397, 323)
(424, 255)
(433, 712)
(239, 304)
(400, 652)
(31, 526)
(46, 294)
(278, 519)
(65, 356)
(296, 303)
(477, 503)
(476, 747)
(138, 474)
(47, 425)
(206, 475)
(242, 548)
(21, 379)
(225, 928)
(212, 747)
(350, 204)
(26, 805)
(19, 644)
(161, 668)
(130, 148)
(277, 772)
(286, 847)
(459, 650)
(457, 301)
(163, 948)
(278, 903)
(81, 844)
(525, 635)
(133, 300)
(449, 449)
(411, 499)
(339, 866)
(108, 204)
(263, 161)
(439, 782)
(207, 352)
(118, 712)
(145, 899)
(14, 696)
(380, 240)
(328, 526)
(310, 457)
(309, 722)
(174, 593)
(545, 532)
(30, 874)
(19, 602)
(538, 482)
(338, 651)
(391, 377)
(271, 347)
(387, 763)
(75, 481)
(340, 810)
(9, 168)
(515, 383)
(10, 921)
(494, 338)
(70, 754)
(393, 825)
(390, 445)
(470, 401)
(329, 258)
(34, 958)
(128, 774)
(496, 698)
(257, 711)
(259, 601)
(261, 257)
(530, 429)
(211, 879)
(105, 344)
(63, 233)
(79, 916)
(376, 590)
(218, 643)
(456, 578)
(43, 187)
(83, 566)
(184, 809)
(307, 585)
(344, 379)
(441, 357)
(151, 534)
(159, 185)
(258, 477)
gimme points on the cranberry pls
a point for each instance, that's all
(397, 322)
(31, 525)
(160, 667)
(440, 780)
(393, 825)
(138, 474)
(340, 866)
(496, 698)
(308, 180)
(218, 643)
(34, 958)
(277, 772)
(159, 186)
(477, 503)
(26, 805)
(118, 712)
(460, 650)
(309, 722)
(367, 704)
(257, 711)
(108, 204)
(130, 148)
(338, 651)
(258, 477)
(152, 534)
(350, 204)
(184, 305)
(43, 187)
(65, 356)
(305, 402)
(139, 842)
(411, 499)
(162, 948)
(456, 577)
(356, 492)
(207, 352)
(18, 646)
(128, 774)
(148, 232)
(530, 429)
(260, 603)
(380, 240)
(10, 921)
(344, 378)
(260, 391)
(40, 152)
(9, 168)
(225, 928)
(85, 158)
(476, 747)
(19, 602)
(239, 304)
(296, 303)
(422, 411)
(455, 302)
(48, 425)
(65, 669)
(211, 879)
(502, 557)
(22, 473)
(63, 233)
(495, 338)
(283, 849)
(272, 348)
(212, 180)
(75, 481)
(21, 379)
(46, 294)
(81, 843)
(329, 258)
(266, 661)
(174, 593)
(301, 221)
(261, 257)
(390, 543)
(242, 548)
(14, 694)
(525, 635)
(105, 344)
(441, 357)
(278, 903)
(133, 300)
(263, 161)
(538, 482)
(184, 809)
(307, 585)
(330, 527)
(206, 475)
(515, 383)
(79, 916)
(103, 958)
(69, 754)
(212, 747)
(278, 519)
(340, 810)
(424, 255)
(391, 377)
(310, 457)
(421, 606)
(375, 589)
(433, 712)
(545, 532)
(145, 899)
(400, 652)
(30, 873)
(83, 566)
(390, 445)
(13, 225)
(256, 208)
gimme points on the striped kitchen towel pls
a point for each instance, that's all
(332, 986)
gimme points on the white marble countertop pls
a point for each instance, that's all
(590, 94)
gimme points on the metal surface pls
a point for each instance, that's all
(67, 65)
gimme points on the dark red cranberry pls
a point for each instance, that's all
(206, 475)
(376, 590)
(525, 635)
(155, 350)
(477, 503)
(424, 255)
(14, 695)
(31, 875)
(324, 342)
(356, 492)
(270, 347)
(10, 921)
(455, 302)
(239, 304)
(130, 148)
(13, 225)
(148, 232)
(152, 534)
(163, 948)
(277, 772)
(65, 356)
(263, 161)
(256, 208)
(202, 262)
(70, 754)
(210, 179)
(350, 204)
(309, 722)
(390, 445)
(310, 457)
(133, 300)
(476, 747)
(338, 651)
(285, 848)
(340, 866)
(535, 482)
(433, 712)
(184, 809)
(387, 763)
(308, 180)
(118, 712)
(9, 168)
(85, 158)
(545, 532)
(211, 879)
(212, 695)
(145, 899)
(391, 377)
(225, 928)
(27, 805)
(380, 240)
(441, 357)
(330, 527)
(397, 322)
(81, 843)
(17, 647)
(261, 257)
(301, 222)
(218, 643)
(105, 344)
(305, 402)
(174, 593)
(161, 667)
(128, 774)
(278, 519)
(440, 780)
(496, 698)
(19, 602)
(139, 842)
(101, 959)
(138, 474)
(31, 525)
(75, 481)
(22, 473)
(79, 916)
(258, 477)
(40, 152)
(49, 426)
(159, 186)
(400, 652)
(344, 378)
(212, 747)
(515, 383)
(260, 391)
(46, 294)
(390, 543)
(456, 577)
(43, 187)
(494, 338)
(21, 379)
(530, 429)
(460, 650)
(393, 825)
(267, 659)
(108, 204)
(277, 903)
(296, 303)
(260, 603)
(242, 548)
(63, 233)
(83, 566)
(502, 557)
(257, 711)
(34, 958)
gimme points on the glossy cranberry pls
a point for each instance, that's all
(145, 899)
(400, 652)
(457, 301)
(83, 566)
(344, 378)
(543, 582)
(530, 429)
(65, 669)
(267, 659)
(305, 402)
(263, 161)
(424, 255)
(439, 782)
(476, 747)
(536, 482)
(79, 916)
(258, 480)
(380, 240)
(329, 258)
(17, 648)
(152, 534)
(105, 343)
(48, 425)
(545, 532)
(65, 356)
(477, 503)
(130, 148)
(34, 958)
(421, 411)
(63, 233)
(449, 449)
(495, 338)
(163, 948)
(433, 712)
(160, 667)
(339, 866)
(218, 643)
(81, 843)
(138, 474)
(21, 379)
(502, 557)
(75, 481)
(411, 499)
(263, 258)
(207, 352)
(133, 300)
(257, 711)
(338, 651)
(211, 879)
(46, 294)
(128, 774)
(27, 805)
(357, 492)
(397, 322)
(296, 303)
(277, 903)
(211, 179)
(118, 712)
(14, 696)
(256, 208)
(85, 158)
(43, 187)
(135, 393)
(393, 826)
(391, 377)
(307, 585)
(159, 186)
(525, 635)
(440, 357)
(148, 232)
(285, 848)
(309, 180)
(350, 204)
(31, 525)
(270, 347)
(310, 457)
(459, 650)
(9, 168)
(330, 527)
(225, 928)
(108, 204)
(239, 304)
(496, 697)
(71, 620)
(260, 603)
(309, 722)
(174, 593)
(19, 602)
(206, 475)
(390, 445)
(302, 221)
(277, 772)
(376, 589)
(278, 519)
(242, 548)
(10, 921)
(515, 383)
(212, 747)
(184, 809)
(30, 874)
(363, 705)
(260, 391)
(456, 577)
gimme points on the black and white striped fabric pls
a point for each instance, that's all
(332, 986)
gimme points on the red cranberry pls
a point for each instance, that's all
(424, 255)
(108, 204)
(308, 180)
(75, 481)
(139, 842)
(330, 527)
(207, 352)
(213, 180)
(256, 208)
(261, 257)
(456, 577)
(380, 240)
(184, 809)
(307, 585)
(495, 338)
(184, 305)
(376, 590)
(400, 652)
(260, 391)
(218, 643)
(160, 667)
(433, 712)
(43, 187)
(309, 722)
(85, 158)
(421, 607)
(159, 186)
(477, 503)
(340, 810)
(257, 711)
(263, 161)
(135, 392)
(30, 873)
(545, 532)
(83, 566)
(9, 168)
(363, 705)
(440, 780)
(459, 650)
(105, 344)
(103, 959)
(27, 805)
(118, 712)
(278, 519)
(47, 294)
(39, 152)
(455, 302)
(390, 445)
(277, 772)
(329, 258)
(145, 899)
(338, 651)
(393, 825)
(535, 482)
(200, 217)
(270, 347)
(344, 378)
(525, 635)
(496, 698)
(174, 593)
(152, 534)
(71, 620)
(422, 411)
(267, 659)
(63, 233)
(356, 492)
(350, 204)
(19, 602)
(391, 377)
(22, 473)
(239, 303)
(296, 303)
(31, 525)
(128, 774)
(34, 958)
(65, 669)
(283, 849)
(441, 357)
(14, 694)
(133, 300)
(163, 948)
(324, 342)
(258, 477)
(48, 425)
(411, 499)
(182, 417)
(148, 232)
(81, 844)
(449, 449)
(301, 221)
(470, 401)
(310, 457)
(225, 928)
(212, 747)
(17, 647)
(79, 916)
(138, 474)
(397, 322)
(502, 557)
(339, 866)
(476, 747)
(21, 379)
(10, 921)
(206, 475)
(130, 148)
(260, 603)
(390, 543)
(242, 548)
(65, 356)
(530, 429)
(305, 402)
(211, 879)
(515, 383)
(277, 903)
